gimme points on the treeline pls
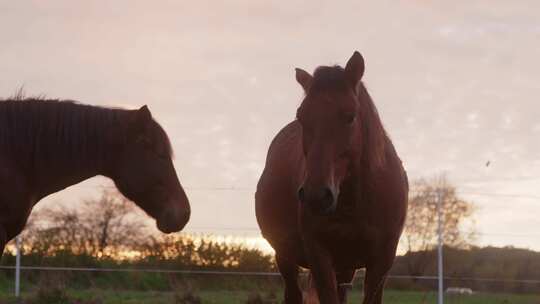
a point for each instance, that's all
(109, 233)
(184, 253)
(487, 269)
(481, 269)
(187, 252)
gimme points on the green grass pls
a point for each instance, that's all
(236, 297)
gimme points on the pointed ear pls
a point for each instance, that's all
(143, 115)
(355, 69)
(303, 78)
(142, 119)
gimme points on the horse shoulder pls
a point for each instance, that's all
(284, 160)
(390, 195)
(275, 199)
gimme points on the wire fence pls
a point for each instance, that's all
(252, 273)
(20, 267)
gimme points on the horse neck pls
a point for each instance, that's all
(85, 153)
(376, 142)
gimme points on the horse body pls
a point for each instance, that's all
(363, 227)
(48, 145)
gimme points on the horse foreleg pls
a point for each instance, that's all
(323, 273)
(344, 281)
(15, 203)
(376, 272)
(3, 240)
(11, 226)
(289, 272)
(373, 286)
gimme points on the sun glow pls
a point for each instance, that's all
(251, 242)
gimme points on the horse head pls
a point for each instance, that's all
(333, 132)
(145, 174)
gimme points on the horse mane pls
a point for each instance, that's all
(43, 128)
(333, 78)
(375, 134)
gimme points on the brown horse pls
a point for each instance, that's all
(333, 194)
(48, 145)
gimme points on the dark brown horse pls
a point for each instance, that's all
(48, 145)
(333, 194)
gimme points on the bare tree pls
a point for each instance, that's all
(111, 222)
(420, 232)
(98, 227)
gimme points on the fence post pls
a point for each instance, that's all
(18, 267)
(440, 244)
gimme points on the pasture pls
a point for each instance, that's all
(52, 290)
(241, 296)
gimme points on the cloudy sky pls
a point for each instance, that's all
(457, 84)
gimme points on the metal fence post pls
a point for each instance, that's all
(440, 244)
(18, 267)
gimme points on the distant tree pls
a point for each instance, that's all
(98, 227)
(421, 228)
(112, 222)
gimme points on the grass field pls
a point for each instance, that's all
(236, 297)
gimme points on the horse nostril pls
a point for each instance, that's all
(301, 194)
(328, 197)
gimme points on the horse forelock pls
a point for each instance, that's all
(328, 78)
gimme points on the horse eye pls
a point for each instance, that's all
(144, 140)
(161, 153)
(349, 119)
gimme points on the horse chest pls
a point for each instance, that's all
(352, 221)
(349, 234)
(353, 230)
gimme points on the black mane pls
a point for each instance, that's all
(62, 129)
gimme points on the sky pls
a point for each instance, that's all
(457, 84)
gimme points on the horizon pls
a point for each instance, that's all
(456, 86)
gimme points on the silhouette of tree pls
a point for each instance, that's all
(421, 228)
(99, 227)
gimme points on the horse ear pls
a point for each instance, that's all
(355, 69)
(143, 115)
(142, 119)
(303, 78)
(139, 125)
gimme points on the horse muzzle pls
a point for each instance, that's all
(173, 220)
(321, 201)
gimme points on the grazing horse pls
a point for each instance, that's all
(333, 194)
(48, 145)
